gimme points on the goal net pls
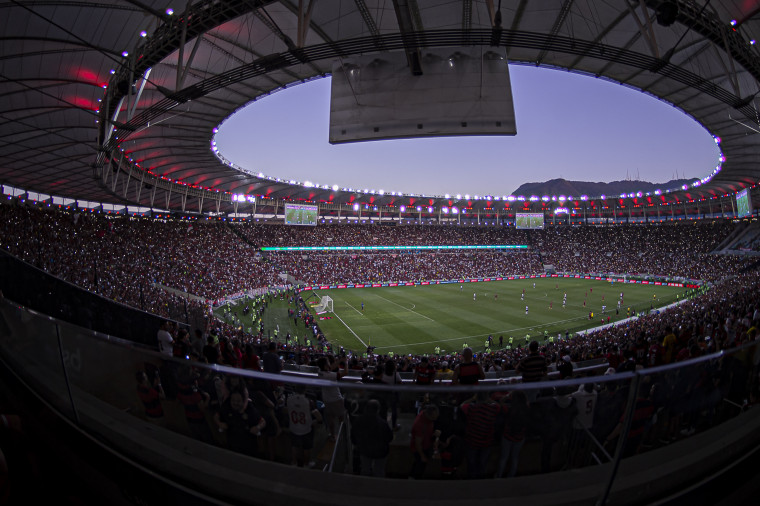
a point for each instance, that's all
(325, 305)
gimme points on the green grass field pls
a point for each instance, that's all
(416, 319)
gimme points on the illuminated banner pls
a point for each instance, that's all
(390, 248)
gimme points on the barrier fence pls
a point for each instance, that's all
(493, 431)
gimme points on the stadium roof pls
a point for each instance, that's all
(84, 81)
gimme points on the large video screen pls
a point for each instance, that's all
(743, 204)
(300, 214)
(529, 220)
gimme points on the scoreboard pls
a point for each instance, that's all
(529, 220)
(300, 214)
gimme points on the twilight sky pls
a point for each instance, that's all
(569, 126)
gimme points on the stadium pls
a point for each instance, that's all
(176, 328)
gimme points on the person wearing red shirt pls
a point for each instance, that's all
(423, 436)
(151, 395)
(424, 373)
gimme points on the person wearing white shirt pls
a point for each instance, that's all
(165, 340)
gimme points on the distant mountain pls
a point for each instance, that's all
(578, 188)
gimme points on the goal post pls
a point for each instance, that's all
(325, 305)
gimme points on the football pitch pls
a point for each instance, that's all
(416, 319)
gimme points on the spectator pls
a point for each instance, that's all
(422, 439)
(151, 394)
(467, 372)
(242, 423)
(372, 437)
(480, 420)
(303, 415)
(334, 406)
(164, 338)
(513, 437)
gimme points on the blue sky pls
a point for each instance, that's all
(568, 125)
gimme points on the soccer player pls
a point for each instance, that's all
(526, 309)
(362, 306)
(522, 296)
(551, 304)
(473, 296)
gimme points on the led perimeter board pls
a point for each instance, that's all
(529, 220)
(743, 204)
(300, 214)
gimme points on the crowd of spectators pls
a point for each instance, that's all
(380, 235)
(455, 428)
(394, 267)
(663, 249)
(134, 260)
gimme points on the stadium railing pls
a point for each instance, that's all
(675, 425)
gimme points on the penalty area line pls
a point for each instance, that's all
(350, 329)
(352, 307)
